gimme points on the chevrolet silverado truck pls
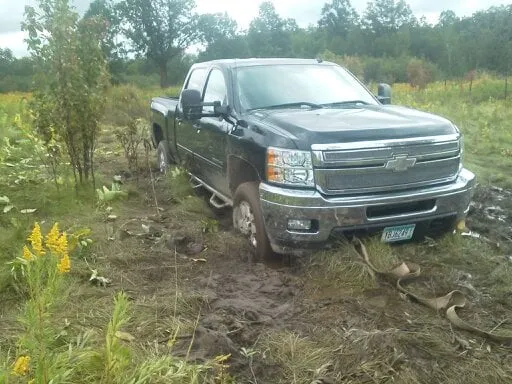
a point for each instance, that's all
(304, 153)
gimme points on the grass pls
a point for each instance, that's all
(300, 359)
(351, 326)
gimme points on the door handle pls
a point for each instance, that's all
(197, 126)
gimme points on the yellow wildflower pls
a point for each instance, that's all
(17, 120)
(52, 238)
(27, 255)
(61, 246)
(64, 264)
(21, 366)
(36, 240)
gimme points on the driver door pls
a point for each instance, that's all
(186, 129)
(211, 137)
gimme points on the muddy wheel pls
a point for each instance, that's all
(248, 220)
(162, 156)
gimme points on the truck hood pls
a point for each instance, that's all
(338, 125)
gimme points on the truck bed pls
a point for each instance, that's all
(164, 105)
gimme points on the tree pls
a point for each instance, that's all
(308, 42)
(384, 16)
(6, 62)
(216, 26)
(226, 48)
(71, 80)
(219, 34)
(269, 35)
(447, 18)
(338, 18)
(160, 29)
(106, 12)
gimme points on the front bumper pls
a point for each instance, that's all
(348, 213)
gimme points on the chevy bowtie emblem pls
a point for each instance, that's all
(401, 163)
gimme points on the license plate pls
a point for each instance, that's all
(398, 233)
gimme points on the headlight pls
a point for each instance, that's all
(290, 167)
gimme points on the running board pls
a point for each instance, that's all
(218, 200)
(195, 183)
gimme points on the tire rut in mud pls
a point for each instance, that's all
(244, 302)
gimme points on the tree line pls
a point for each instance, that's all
(387, 42)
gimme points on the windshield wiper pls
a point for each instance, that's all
(290, 105)
(348, 102)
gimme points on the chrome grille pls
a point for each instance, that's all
(385, 165)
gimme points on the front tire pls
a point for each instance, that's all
(248, 220)
(162, 157)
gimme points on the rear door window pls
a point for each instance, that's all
(196, 79)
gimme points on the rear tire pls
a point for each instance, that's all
(162, 157)
(248, 220)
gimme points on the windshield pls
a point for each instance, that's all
(274, 85)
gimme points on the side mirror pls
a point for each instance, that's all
(191, 103)
(384, 93)
(193, 106)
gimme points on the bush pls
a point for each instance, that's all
(419, 73)
(384, 69)
(70, 80)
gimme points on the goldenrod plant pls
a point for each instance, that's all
(44, 263)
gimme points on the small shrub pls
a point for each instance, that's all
(131, 138)
(70, 80)
(209, 226)
(24, 156)
(179, 184)
(418, 73)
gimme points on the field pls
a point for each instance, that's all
(194, 310)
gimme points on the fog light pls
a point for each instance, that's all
(300, 225)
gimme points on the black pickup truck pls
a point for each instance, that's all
(303, 152)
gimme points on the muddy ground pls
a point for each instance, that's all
(322, 318)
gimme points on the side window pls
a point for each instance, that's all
(215, 89)
(196, 79)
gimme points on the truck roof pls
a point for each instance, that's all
(234, 63)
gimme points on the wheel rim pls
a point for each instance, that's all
(162, 162)
(244, 222)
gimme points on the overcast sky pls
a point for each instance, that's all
(304, 11)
